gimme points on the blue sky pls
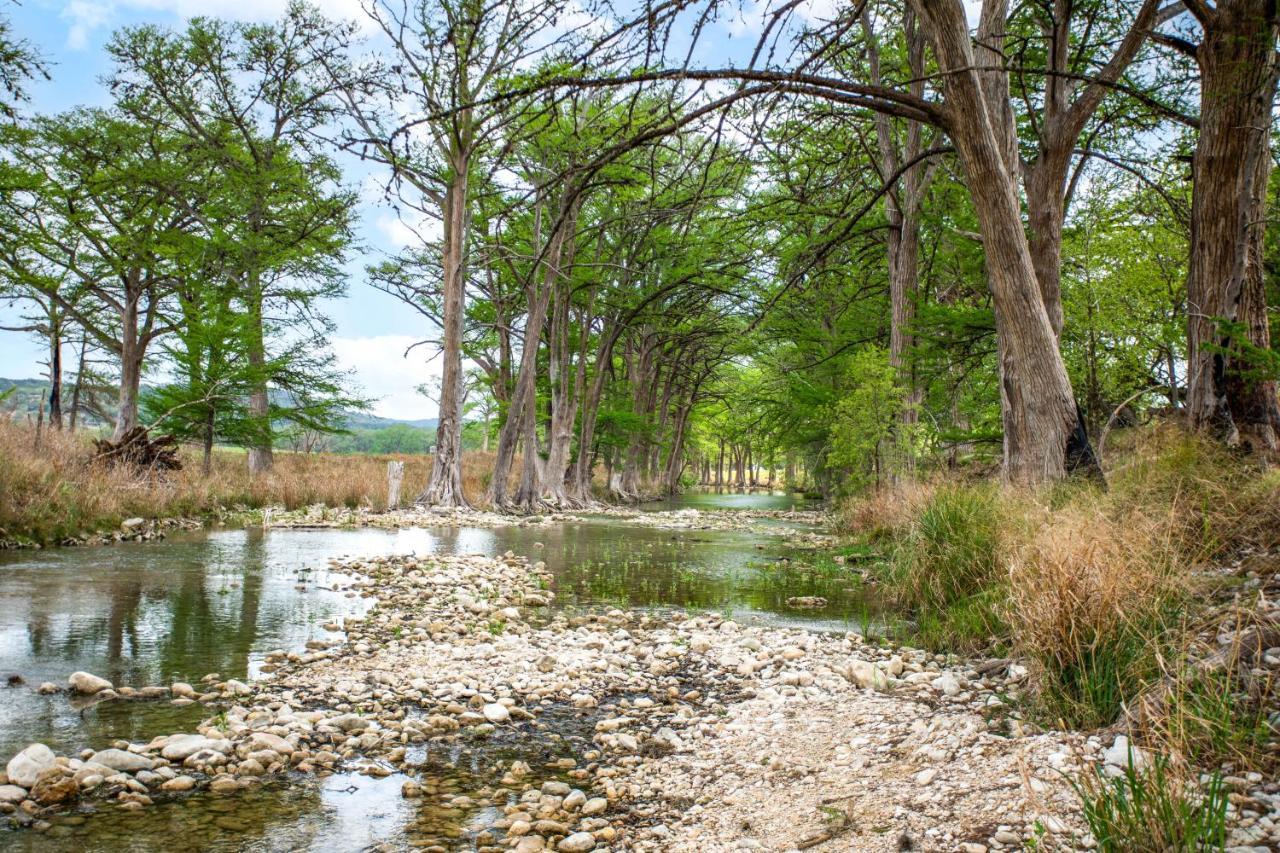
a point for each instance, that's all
(373, 329)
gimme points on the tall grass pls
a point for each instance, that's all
(1153, 810)
(56, 491)
(1212, 500)
(1093, 587)
(949, 564)
(1215, 706)
(1092, 603)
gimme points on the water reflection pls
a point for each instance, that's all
(217, 602)
(153, 613)
(710, 498)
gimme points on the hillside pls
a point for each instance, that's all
(27, 394)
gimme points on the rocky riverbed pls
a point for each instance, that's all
(643, 730)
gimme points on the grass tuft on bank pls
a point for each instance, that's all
(1117, 600)
(1094, 588)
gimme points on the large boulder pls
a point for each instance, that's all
(88, 683)
(122, 761)
(24, 768)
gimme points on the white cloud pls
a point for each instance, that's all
(87, 16)
(84, 16)
(409, 228)
(383, 371)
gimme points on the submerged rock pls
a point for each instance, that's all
(803, 602)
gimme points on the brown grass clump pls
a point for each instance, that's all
(885, 514)
(1091, 600)
(1213, 500)
(56, 491)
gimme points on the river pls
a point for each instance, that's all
(219, 601)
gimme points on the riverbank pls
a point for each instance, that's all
(54, 493)
(444, 654)
(694, 732)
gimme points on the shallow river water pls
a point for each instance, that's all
(153, 613)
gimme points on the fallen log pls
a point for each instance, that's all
(137, 449)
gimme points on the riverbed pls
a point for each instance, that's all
(220, 601)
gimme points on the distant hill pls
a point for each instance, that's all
(363, 420)
(28, 392)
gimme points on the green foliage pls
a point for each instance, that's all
(1152, 809)
(393, 439)
(950, 565)
(862, 422)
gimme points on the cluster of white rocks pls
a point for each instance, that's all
(701, 734)
(760, 521)
(321, 516)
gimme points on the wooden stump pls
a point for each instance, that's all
(395, 475)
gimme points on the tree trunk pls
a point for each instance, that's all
(524, 397)
(261, 456)
(581, 486)
(1041, 420)
(55, 370)
(207, 461)
(131, 353)
(1226, 301)
(75, 390)
(444, 488)
(565, 392)
(902, 210)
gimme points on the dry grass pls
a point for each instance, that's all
(56, 491)
(885, 514)
(1213, 500)
(1094, 587)
(1214, 705)
(1090, 603)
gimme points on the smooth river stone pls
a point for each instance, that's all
(24, 768)
(125, 762)
(88, 683)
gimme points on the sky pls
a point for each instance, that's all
(373, 330)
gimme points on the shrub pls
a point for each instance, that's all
(884, 515)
